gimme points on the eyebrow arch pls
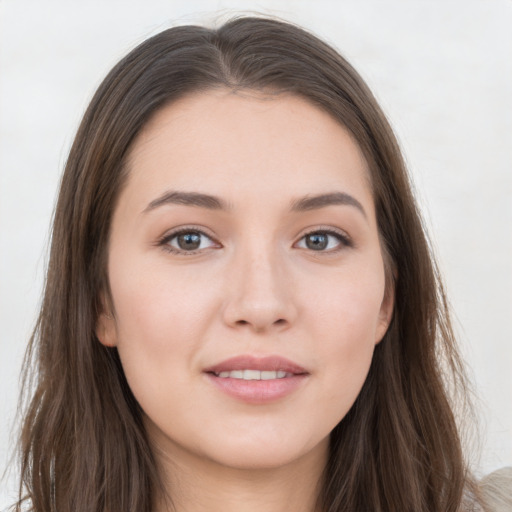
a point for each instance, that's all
(187, 199)
(210, 202)
(322, 200)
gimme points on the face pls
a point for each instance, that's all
(246, 276)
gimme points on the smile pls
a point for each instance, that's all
(254, 374)
(257, 380)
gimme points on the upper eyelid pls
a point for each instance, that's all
(342, 241)
(169, 235)
(164, 241)
(325, 229)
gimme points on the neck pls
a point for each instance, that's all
(196, 484)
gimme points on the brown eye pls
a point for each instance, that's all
(186, 241)
(324, 241)
(317, 241)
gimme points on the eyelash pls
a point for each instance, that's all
(344, 240)
(164, 242)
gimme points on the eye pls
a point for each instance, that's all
(323, 240)
(186, 241)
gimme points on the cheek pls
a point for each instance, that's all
(158, 302)
(349, 303)
(346, 319)
(161, 319)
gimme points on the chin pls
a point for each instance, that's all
(258, 454)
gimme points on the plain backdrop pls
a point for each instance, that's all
(442, 71)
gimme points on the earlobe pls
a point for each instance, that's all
(386, 312)
(106, 331)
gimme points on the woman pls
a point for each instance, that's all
(241, 308)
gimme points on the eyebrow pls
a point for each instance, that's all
(188, 199)
(323, 200)
(210, 202)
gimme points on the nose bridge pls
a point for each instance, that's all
(260, 294)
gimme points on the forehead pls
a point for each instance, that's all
(229, 142)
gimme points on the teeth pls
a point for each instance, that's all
(254, 374)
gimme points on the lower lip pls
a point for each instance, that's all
(257, 391)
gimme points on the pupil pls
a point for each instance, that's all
(189, 241)
(316, 241)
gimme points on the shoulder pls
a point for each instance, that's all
(496, 490)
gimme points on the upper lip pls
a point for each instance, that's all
(248, 362)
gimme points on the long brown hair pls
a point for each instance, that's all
(83, 446)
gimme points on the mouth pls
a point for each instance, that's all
(254, 374)
(257, 380)
(256, 368)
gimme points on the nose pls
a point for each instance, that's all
(260, 293)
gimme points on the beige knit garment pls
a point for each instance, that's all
(496, 490)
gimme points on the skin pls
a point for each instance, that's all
(254, 286)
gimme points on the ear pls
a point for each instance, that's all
(106, 329)
(386, 310)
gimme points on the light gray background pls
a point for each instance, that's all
(442, 71)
